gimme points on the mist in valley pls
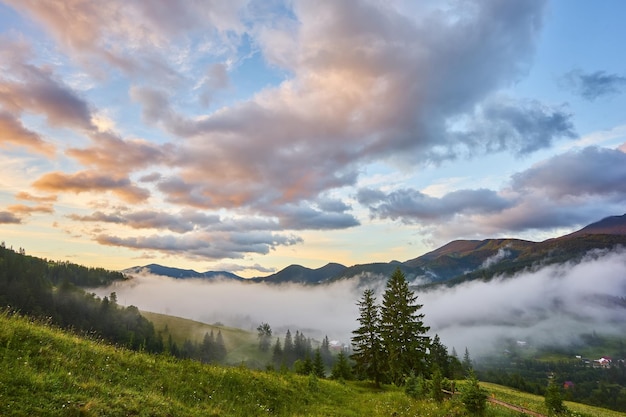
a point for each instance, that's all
(550, 305)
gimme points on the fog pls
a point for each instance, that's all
(548, 305)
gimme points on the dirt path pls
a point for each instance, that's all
(515, 407)
(505, 404)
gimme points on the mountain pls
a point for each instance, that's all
(454, 262)
(303, 275)
(614, 225)
(178, 273)
(464, 260)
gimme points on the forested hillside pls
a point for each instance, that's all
(49, 290)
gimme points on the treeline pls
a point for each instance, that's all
(211, 349)
(48, 290)
(603, 387)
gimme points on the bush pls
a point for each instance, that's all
(474, 397)
(417, 387)
(553, 400)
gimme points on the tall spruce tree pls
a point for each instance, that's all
(366, 341)
(402, 330)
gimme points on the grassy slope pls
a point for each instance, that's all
(46, 372)
(536, 402)
(241, 344)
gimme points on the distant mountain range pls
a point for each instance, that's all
(455, 262)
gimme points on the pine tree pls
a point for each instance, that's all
(220, 348)
(277, 353)
(366, 340)
(207, 348)
(264, 333)
(467, 362)
(288, 349)
(341, 369)
(318, 364)
(325, 350)
(553, 400)
(438, 357)
(473, 396)
(402, 330)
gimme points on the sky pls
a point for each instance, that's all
(246, 136)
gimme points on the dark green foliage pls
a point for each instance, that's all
(289, 355)
(366, 341)
(439, 358)
(416, 387)
(437, 386)
(474, 397)
(402, 330)
(342, 368)
(318, 364)
(264, 332)
(327, 357)
(467, 362)
(277, 353)
(554, 400)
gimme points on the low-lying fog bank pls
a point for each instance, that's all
(552, 305)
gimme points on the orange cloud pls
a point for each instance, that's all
(22, 195)
(13, 132)
(113, 153)
(91, 181)
(27, 210)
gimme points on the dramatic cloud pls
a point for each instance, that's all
(90, 181)
(553, 305)
(519, 127)
(213, 245)
(29, 88)
(591, 171)
(112, 153)
(594, 85)
(570, 189)
(347, 104)
(133, 36)
(13, 132)
(412, 205)
(179, 223)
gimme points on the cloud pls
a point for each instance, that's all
(205, 245)
(369, 83)
(112, 153)
(567, 190)
(238, 268)
(91, 181)
(410, 205)
(591, 171)
(22, 195)
(522, 128)
(183, 222)
(28, 88)
(134, 37)
(593, 85)
(6, 217)
(22, 209)
(14, 133)
(552, 305)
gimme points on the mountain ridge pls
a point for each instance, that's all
(456, 261)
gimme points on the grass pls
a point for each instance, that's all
(536, 402)
(47, 372)
(242, 346)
